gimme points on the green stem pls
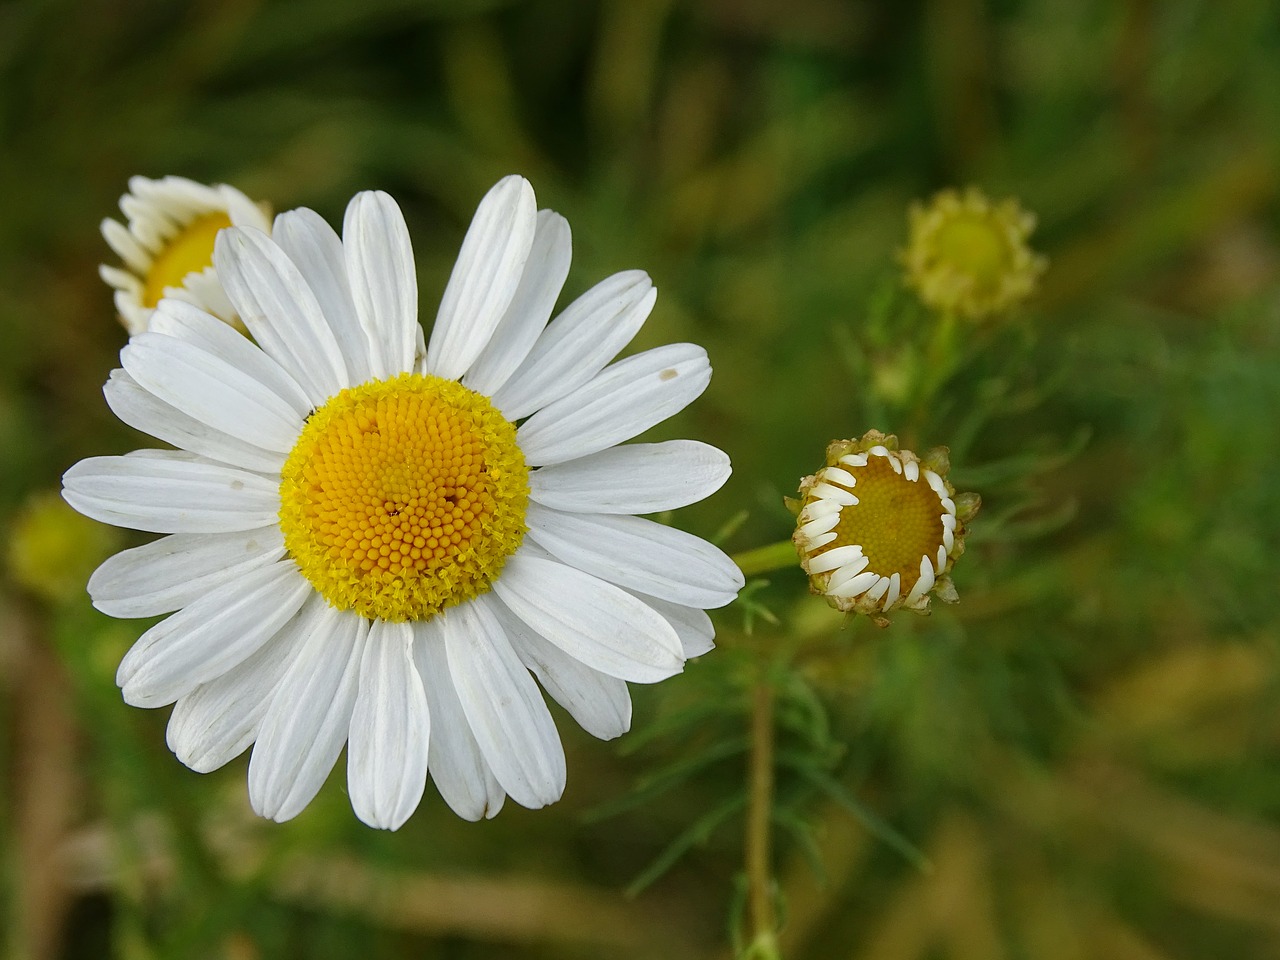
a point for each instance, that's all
(939, 364)
(775, 556)
(758, 849)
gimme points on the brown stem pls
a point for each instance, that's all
(759, 856)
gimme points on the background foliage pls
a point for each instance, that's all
(1081, 760)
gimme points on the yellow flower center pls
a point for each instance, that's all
(974, 246)
(190, 251)
(403, 497)
(896, 521)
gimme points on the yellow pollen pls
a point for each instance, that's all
(403, 497)
(896, 521)
(189, 251)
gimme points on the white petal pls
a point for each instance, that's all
(177, 318)
(691, 624)
(895, 590)
(307, 721)
(880, 588)
(832, 559)
(911, 470)
(640, 554)
(390, 730)
(120, 279)
(170, 495)
(847, 572)
(925, 583)
(829, 491)
(818, 508)
(621, 401)
(838, 475)
(144, 411)
(637, 478)
(316, 251)
(454, 759)
(122, 242)
(600, 703)
(503, 706)
(526, 317)
(821, 525)
(603, 626)
(280, 310)
(856, 585)
(212, 391)
(204, 289)
(578, 343)
(218, 720)
(171, 572)
(210, 636)
(384, 282)
(485, 277)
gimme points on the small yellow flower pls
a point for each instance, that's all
(969, 256)
(53, 549)
(167, 246)
(880, 528)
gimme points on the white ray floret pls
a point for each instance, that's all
(925, 583)
(833, 559)
(848, 571)
(895, 588)
(829, 491)
(840, 476)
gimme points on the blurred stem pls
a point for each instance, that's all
(46, 787)
(758, 850)
(775, 556)
(939, 364)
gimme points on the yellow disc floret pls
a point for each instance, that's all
(895, 521)
(190, 250)
(403, 497)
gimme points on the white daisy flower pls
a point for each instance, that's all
(167, 247)
(374, 540)
(879, 528)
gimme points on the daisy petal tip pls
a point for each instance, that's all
(192, 753)
(390, 820)
(513, 186)
(138, 693)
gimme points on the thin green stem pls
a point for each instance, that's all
(758, 843)
(939, 364)
(775, 556)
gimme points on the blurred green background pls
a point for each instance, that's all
(1080, 760)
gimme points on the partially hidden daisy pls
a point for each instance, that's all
(880, 528)
(166, 246)
(969, 255)
(380, 541)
